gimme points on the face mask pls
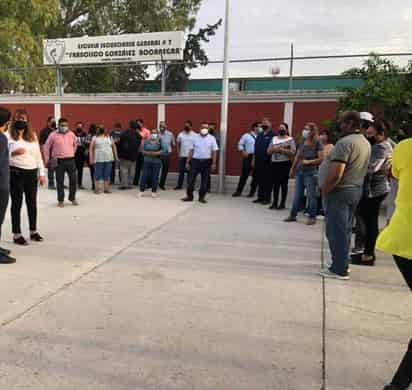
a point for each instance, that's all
(20, 125)
(154, 137)
(79, 129)
(204, 132)
(282, 132)
(63, 129)
(265, 127)
(53, 125)
(260, 130)
(372, 140)
(305, 133)
(187, 128)
(323, 138)
(162, 128)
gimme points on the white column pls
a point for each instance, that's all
(288, 114)
(57, 111)
(161, 113)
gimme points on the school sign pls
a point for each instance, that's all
(160, 46)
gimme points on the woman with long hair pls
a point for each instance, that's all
(26, 172)
(88, 141)
(305, 168)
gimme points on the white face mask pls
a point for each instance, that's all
(305, 133)
(154, 136)
(204, 132)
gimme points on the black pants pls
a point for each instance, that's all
(80, 161)
(369, 211)
(197, 167)
(91, 169)
(23, 182)
(280, 180)
(4, 201)
(264, 180)
(182, 171)
(139, 168)
(247, 170)
(403, 377)
(66, 165)
(165, 159)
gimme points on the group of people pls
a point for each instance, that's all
(347, 182)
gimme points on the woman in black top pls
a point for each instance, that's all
(89, 138)
(80, 155)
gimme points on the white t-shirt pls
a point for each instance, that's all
(31, 159)
(185, 141)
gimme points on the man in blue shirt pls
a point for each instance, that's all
(262, 163)
(202, 159)
(246, 147)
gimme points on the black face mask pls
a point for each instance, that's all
(187, 128)
(372, 140)
(265, 127)
(79, 130)
(282, 133)
(20, 125)
(53, 125)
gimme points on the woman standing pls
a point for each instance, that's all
(326, 139)
(305, 168)
(80, 156)
(282, 150)
(376, 188)
(26, 171)
(152, 150)
(88, 141)
(396, 240)
(103, 153)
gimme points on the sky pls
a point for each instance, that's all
(266, 28)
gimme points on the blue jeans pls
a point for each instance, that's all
(308, 182)
(182, 171)
(103, 171)
(340, 207)
(50, 175)
(151, 172)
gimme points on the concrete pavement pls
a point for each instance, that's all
(147, 294)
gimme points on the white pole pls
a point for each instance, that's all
(225, 104)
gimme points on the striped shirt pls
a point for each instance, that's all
(285, 143)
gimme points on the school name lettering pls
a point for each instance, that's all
(111, 45)
(123, 53)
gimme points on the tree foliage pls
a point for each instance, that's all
(386, 90)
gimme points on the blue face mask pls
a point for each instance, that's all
(154, 137)
(305, 133)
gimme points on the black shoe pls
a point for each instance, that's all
(6, 259)
(290, 219)
(20, 241)
(178, 188)
(265, 202)
(4, 251)
(162, 188)
(187, 199)
(257, 201)
(357, 260)
(250, 195)
(390, 387)
(236, 195)
(282, 206)
(52, 187)
(203, 200)
(36, 237)
(273, 207)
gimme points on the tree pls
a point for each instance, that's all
(386, 90)
(23, 25)
(193, 56)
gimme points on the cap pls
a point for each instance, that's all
(366, 116)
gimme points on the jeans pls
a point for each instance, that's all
(23, 182)
(369, 212)
(280, 179)
(66, 165)
(139, 167)
(165, 159)
(127, 173)
(50, 176)
(103, 171)
(247, 170)
(308, 182)
(182, 171)
(151, 170)
(4, 201)
(340, 207)
(197, 167)
(403, 377)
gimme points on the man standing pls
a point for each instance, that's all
(80, 156)
(44, 135)
(184, 144)
(201, 160)
(145, 135)
(246, 148)
(115, 135)
(341, 178)
(128, 151)
(168, 141)
(263, 163)
(5, 117)
(59, 151)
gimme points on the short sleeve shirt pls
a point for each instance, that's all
(203, 147)
(354, 151)
(185, 140)
(309, 152)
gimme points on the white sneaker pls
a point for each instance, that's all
(329, 274)
(140, 194)
(154, 195)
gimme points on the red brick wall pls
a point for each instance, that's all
(241, 117)
(108, 114)
(317, 112)
(38, 113)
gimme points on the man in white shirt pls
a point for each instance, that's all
(184, 144)
(201, 160)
